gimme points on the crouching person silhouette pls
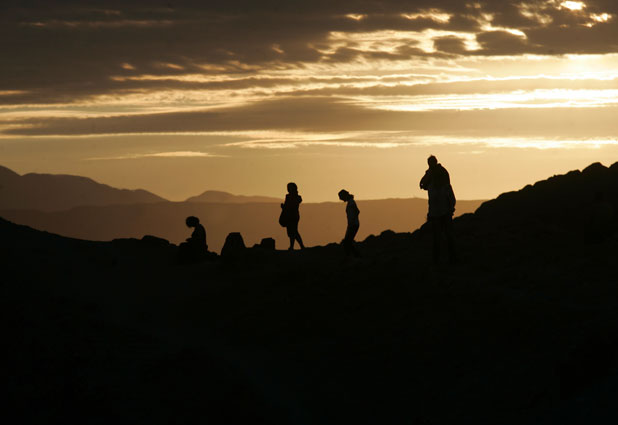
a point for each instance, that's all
(195, 247)
(352, 212)
(437, 183)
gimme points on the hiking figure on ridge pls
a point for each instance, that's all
(437, 183)
(352, 212)
(290, 216)
(195, 247)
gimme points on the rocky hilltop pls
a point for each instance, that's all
(524, 329)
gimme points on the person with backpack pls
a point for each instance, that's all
(352, 212)
(290, 215)
(437, 183)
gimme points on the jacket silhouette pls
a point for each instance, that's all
(437, 183)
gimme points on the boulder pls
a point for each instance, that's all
(234, 245)
(155, 241)
(268, 244)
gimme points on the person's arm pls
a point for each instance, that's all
(424, 183)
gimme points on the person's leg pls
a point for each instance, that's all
(353, 244)
(292, 230)
(296, 236)
(300, 240)
(348, 241)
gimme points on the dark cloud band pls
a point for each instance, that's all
(71, 49)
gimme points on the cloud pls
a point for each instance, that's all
(315, 115)
(467, 86)
(175, 154)
(450, 44)
(497, 42)
(60, 51)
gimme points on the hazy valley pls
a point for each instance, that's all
(255, 217)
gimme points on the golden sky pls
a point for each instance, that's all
(245, 96)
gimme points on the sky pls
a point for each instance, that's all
(179, 97)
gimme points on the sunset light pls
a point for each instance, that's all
(370, 212)
(573, 5)
(402, 81)
(603, 17)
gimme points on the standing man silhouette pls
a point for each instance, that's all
(437, 183)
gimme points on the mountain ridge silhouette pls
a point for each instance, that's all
(56, 192)
(524, 329)
(217, 196)
(61, 192)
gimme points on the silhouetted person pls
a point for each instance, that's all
(290, 216)
(437, 183)
(352, 212)
(195, 247)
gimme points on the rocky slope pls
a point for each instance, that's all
(524, 329)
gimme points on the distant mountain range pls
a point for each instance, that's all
(228, 198)
(51, 192)
(82, 208)
(57, 192)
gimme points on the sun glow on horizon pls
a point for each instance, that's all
(540, 98)
(176, 98)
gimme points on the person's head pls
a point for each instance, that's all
(344, 195)
(192, 221)
(292, 188)
(432, 161)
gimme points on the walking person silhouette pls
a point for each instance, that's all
(290, 215)
(437, 183)
(352, 212)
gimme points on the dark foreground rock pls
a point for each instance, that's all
(523, 330)
(234, 246)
